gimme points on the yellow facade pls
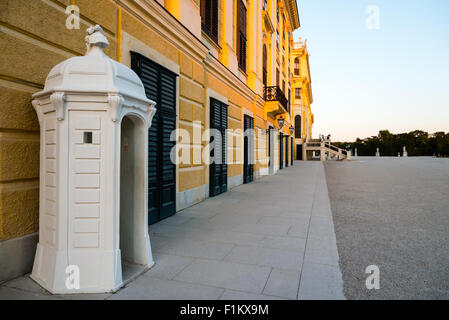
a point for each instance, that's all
(302, 97)
(34, 38)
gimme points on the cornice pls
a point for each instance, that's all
(268, 23)
(293, 13)
(219, 71)
(152, 14)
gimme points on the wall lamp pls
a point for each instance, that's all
(281, 122)
(291, 129)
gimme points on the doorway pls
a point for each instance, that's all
(299, 152)
(248, 155)
(291, 149)
(281, 150)
(287, 160)
(270, 149)
(132, 195)
(160, 86)
(218, 168)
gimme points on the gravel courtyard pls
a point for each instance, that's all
(393, 213)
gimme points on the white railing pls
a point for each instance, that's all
(326, 150)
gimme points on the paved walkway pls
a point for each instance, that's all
(271, 239)
(393, 213)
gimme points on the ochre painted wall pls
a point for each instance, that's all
(34, 39)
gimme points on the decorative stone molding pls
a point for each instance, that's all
(58, 100)
(116, 102)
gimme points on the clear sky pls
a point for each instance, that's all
(365, 80)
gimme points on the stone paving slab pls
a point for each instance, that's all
(283, 283)
(168, 266)
(321, 282)
(196, 249)
(151, 288)
(224, 274)
(240, 295)
(275, 258)
(270, 239)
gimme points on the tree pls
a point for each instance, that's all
(417, 142)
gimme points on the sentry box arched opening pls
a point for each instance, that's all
(94, 118)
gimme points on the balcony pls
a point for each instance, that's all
(275, 94)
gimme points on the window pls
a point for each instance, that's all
(277, 77)
(283, 86)
(209, 18)
(241, 35)
(289, 97)
(277, 38)
(297, 93)
(264, 65)
(264, 5)
(218, 168)
(298, 127)
(296, 67)
(160, 86)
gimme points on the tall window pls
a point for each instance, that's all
(297, 93)
(277, 37)
(298, 127)
(283, 86)
(277, 77)
(264, 65)
(289, 97)
(296, 67)
(209, 18)
(241, 35)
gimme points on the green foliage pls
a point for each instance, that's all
(418, 143)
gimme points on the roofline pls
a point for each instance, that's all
(294, 13)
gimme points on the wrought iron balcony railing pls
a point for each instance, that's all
(274, 93)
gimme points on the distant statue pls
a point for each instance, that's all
(399, 154)
(377, 152)
(355, 153)
(404, 152)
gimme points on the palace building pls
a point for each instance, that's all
(226, 65)
(301, 96)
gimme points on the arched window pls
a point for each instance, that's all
(264, 65)
(298, 127)
(296, 66)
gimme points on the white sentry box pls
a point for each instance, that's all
(93, 225)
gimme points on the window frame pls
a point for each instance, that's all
(297, 90)
(296, 66)
(209, 18)
(242, 26)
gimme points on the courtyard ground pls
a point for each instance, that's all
(270, 239)
(393, 213)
